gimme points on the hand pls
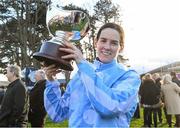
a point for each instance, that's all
(74, 52)
(51, 72)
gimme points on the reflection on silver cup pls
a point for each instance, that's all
(71, 25)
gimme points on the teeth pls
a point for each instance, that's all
(106, 52)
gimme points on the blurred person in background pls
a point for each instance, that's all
(175, 79)
(37, 112)
(150, 94)
(157, 79)
(14, 109)
(170, 91)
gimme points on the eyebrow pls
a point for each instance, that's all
(110, 39)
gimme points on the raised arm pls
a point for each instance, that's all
(57, 106)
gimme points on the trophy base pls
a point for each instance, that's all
(50, 54)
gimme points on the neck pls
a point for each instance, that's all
(13, 79)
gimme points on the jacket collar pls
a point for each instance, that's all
(99, 65)
(12, 83)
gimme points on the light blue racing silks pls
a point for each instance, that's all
(99, 95)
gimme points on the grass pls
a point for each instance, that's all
(49, 123)
(134, 123)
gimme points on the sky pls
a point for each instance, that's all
(152, 30)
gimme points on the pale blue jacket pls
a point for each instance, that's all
(99, 95)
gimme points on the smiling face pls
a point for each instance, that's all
(108, 45)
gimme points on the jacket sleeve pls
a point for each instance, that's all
(107, 101)
(20, 96)
(177, 88)
(57, 106)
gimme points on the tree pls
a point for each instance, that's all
(105, 10)
(23, 28)
(92, 35)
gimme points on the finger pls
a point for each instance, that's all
(56, 72)
(70, 45)
(67, 50)
(52, 71)
(49, 68)
(50, 74)
(69, 56)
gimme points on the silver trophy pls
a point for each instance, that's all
(63, 24)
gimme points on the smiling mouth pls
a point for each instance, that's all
(107, 53)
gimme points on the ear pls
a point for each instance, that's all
(120, 49)
(95, 42)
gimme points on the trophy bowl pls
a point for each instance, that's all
(63, 25)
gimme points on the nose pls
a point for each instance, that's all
(107, 45)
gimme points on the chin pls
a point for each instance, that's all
(105, 60)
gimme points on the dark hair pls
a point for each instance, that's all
(115, 27)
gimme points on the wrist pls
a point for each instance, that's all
(51, 77)
(78, 61)
(54, 83)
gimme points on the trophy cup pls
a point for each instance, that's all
(63, 25)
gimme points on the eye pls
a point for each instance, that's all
(103, 40)
(114, 43)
